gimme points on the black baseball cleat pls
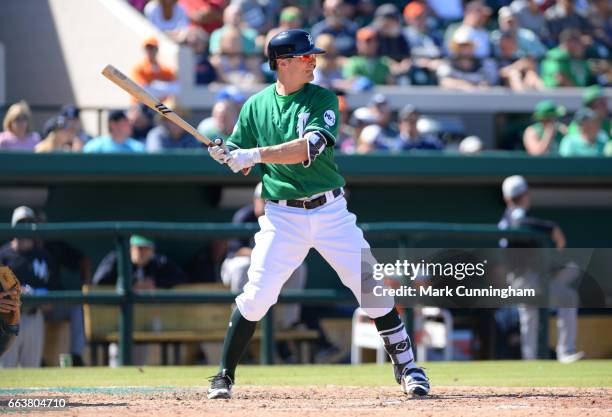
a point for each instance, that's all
(415, 382)
(220, 386)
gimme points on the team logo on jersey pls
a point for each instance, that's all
(330, 118)
(301, 124)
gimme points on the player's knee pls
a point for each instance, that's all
(376, 312)
(253, 308)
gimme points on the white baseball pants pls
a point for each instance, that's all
(286, 236)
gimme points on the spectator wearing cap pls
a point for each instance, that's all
(410, 137)
(528, 42)
(328, 72)
(381, 135)
(391, 41)
(168, 136)
(291, 17)
(150, 270)
(72, 114)
(544, 136)
(168, 16)
(222, 120)
(259, 15)
(566, 66)
(336, 24)
(206, 14)
(141, 119)
(464, 71)
(34, 267)
(232, 19)
(58, 137)
(590, 140)
(119, 138)
(475, 20)
(595, 98)
(361, 118)
(18, 134)
(563, 16)
(157, 78)
(529, 16)
(367, 64)
(518, 73)
(425, 48)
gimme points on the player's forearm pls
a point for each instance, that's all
(293, 152)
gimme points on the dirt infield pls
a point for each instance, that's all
(251, 401)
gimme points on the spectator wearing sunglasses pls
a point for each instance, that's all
(18, 134)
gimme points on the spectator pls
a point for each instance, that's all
(17, 125)
(361, 118)
(382, 134)
(464, 71)
(410, 137)
(337, 25)
(564, 16)
(58, 137)
(34, 267)
(197, 39)
(141, 120)
(168, 16)
(168, 136)
(391, 42)
(290, 18)
(529, 16)
(222, 121)
(158, 79)
(520, 74)
(231, 64)
(544, 136)
(595, 99)
(367, 64)
(328, 72)
(206, 14)
(600, 19)
(72, 114)
(521, 274)
(259, 15)
(417, 33)
(379, 107)
(424, 48)
(590, 140)
(566, 66)
(150, 270)
(232, 19)
(475, 20)
(528, 42)
(118, 139)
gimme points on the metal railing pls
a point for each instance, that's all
(407, 234)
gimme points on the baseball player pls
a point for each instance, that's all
(289, 128)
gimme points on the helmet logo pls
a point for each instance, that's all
(310, 39)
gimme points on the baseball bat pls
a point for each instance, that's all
(125, 83)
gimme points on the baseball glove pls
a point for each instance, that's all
(9, 319)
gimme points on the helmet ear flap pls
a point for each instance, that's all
(273, 65)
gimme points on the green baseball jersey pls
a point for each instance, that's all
(268, 119)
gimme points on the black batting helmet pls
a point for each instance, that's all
(289, 43)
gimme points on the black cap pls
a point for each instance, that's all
(116, 115)
(290, 43)
(54, 123)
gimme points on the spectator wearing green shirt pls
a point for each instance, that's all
(595, 98)
(367, 63)
(544, 136)
(566, 65)
(232, 18)
(589, 141)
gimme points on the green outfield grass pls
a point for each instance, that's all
(594, 373)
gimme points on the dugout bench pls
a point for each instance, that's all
(172, 325)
